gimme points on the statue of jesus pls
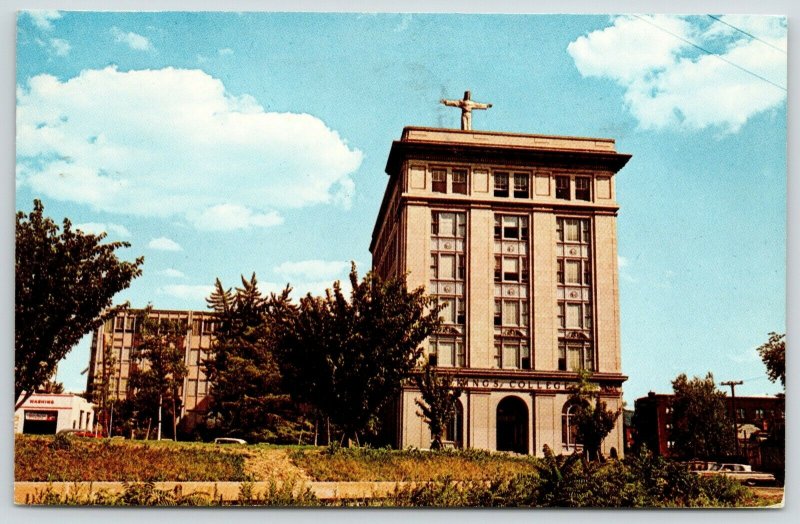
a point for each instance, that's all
(466, 105)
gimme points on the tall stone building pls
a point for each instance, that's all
(516, 235)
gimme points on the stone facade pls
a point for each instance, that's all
(516, 234)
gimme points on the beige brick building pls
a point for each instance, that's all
(516, 234)
(122, 333)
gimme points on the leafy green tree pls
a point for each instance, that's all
(592, 418)
(773, 354)
(158, 370)
(347, 358)
(700, 424)
(65, 281)
(438, 404)
(101, 387)
(248, 399)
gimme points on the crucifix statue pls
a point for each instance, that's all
(466, 105)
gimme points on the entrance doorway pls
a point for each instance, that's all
(512, 425)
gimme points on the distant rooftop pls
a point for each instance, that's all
(512, 140)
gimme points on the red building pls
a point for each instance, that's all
(653, 419)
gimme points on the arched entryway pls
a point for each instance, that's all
(512, 425)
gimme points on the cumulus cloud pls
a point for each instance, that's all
(164, 244)
(43, 19)
(135, 41)
(224, 217)
(95, 228)
(313, 269)
(669, 83)
(175, 143)
(172, 273)
(60, 47)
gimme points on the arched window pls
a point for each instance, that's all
(454, 431)
(569, 430)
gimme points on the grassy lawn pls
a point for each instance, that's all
(467, 477)
(39, 458)
(408, 465)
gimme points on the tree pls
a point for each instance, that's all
(349, 358)
(102, 385)
(592, 418)
(158, 370)
(700, 425)
(773, 354)
(438, 402)
(64, 285)
(247, 395)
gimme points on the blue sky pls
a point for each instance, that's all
(230, 143)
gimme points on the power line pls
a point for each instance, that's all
(737, 66)
(754, 37)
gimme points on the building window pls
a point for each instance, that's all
(453, 432)
(447, 284)
(453, 225)
(521, 182)
(583, 188)
(500, 184)
(512, 353)
(508, 227)
(447, 351)
(562, 187)
(119, 324)
(454, 310)
(511, 276)
(460, 181)
(569, 428)
(575, 355)
(574, 294)
(439, 180)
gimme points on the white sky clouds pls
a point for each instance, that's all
(43, 19)
(669, 82)
(164, 244)
(60, 47)
(173, 142)
(95, 228)
(135, 41)
(225, 217)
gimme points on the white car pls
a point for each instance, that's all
(229, 440)
(741, 472)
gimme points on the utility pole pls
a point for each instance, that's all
(159, 417)
(733, 385)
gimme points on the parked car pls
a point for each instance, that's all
(741, 472)
(229, 440)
